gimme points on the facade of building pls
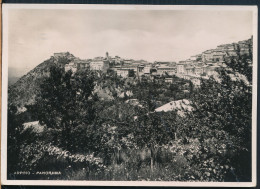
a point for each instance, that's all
(181, 68)
(61, 54)
(147, 69)
(71, 66)
(198, 71)
(81, 64)
(207, 55)
(128, 61)
(122, 72)
(163, 70)
(211, 70)
(99, 65)
(117, 60)
(197, 57)
(139, 62)
(168, 80)
(140, 70)
(189, 69)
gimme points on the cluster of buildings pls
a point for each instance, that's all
(201, 65)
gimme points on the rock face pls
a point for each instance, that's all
(34, 125)
(24, 91)
(180, 106)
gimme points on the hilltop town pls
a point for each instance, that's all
(197, 66)
(119, 117)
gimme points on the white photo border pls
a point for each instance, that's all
(7, 7)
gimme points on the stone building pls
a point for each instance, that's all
(198, 71)
(147, 69)
(163, 70)
(99, 65)
(81, 64)
(181, 67)
(189, 69)
(71, 66)
(207, 55)
(197, 57)
(123, 72)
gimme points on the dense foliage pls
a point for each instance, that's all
(118, 136)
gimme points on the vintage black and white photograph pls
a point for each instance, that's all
(134, 94)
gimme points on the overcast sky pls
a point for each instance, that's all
(153, 35)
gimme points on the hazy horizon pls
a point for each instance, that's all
(153, 35)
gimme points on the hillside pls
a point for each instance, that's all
(24, 91)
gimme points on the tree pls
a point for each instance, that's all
(18, 136)
(241, 65)
(153, 130)
(131, 73)
(191, 87)
(237, 49)
(222, 113)
(66, 104)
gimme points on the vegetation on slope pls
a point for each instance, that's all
(24, 91)
(211, 143)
